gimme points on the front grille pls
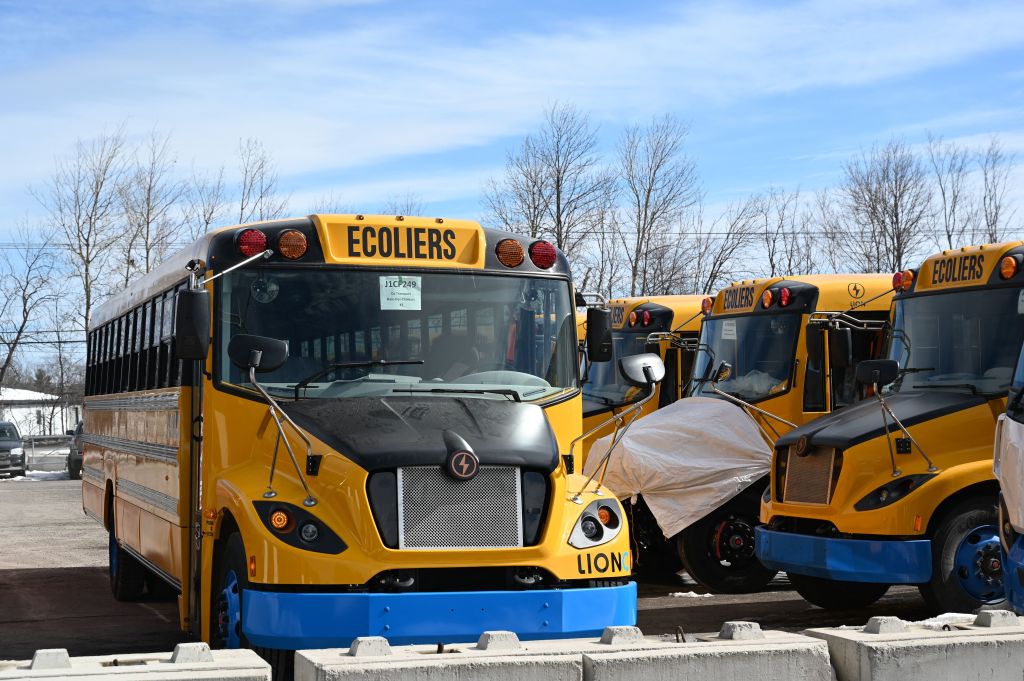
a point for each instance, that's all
(438, 512)
(809, 477)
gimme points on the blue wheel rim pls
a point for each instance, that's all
(978, 566)
(232, 611)
(112, 557)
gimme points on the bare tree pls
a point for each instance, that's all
(600, 267)
(519, 203)
(784, 231)
(330, 204)
(715, 248)
(553, 183)
(996, 213)
(149, 196)
(258, 198)
(950, 165)
(83, 203)
(205, 202)
(660, 182)
(26, 286)
(884, 209)
(408, 203)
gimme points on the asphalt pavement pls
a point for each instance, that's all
(54, 589)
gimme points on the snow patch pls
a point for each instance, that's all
(689, 594)
(37, 476)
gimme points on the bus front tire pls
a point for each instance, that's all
(718, 550)
(127, 575)
(230, 579)
(966, 565)
(837, 595)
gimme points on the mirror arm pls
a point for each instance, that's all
(747, 405)
(634, 411)
(274, 410)
(887, 410)
(194, 281)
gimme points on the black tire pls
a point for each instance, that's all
(718, 550)
(231, 558)
(946, 591)
(653, 555)
(127, 575)
(837, 595)
(18, 474)
(75, 471)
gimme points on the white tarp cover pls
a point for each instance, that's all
(1009, 465)
(686, 459)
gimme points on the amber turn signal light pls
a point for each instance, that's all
(510, 253)
(1007, 267)
(280, 520)
(292, 244)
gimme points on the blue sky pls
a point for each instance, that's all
(365, 100)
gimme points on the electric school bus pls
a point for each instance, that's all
(345, 425)
(898, 488)
(783, 349)
(664, 325)
(1009, 470)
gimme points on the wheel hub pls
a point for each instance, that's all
(229, 613)
(979, 566)
(734, 542)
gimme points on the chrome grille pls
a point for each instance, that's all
(809, 477)
(437, 512)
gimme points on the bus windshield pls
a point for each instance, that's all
(760, 349)
(605, 385)
(967, 340)
(441, 333)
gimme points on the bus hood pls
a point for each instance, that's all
(379, 433)
(862, 421)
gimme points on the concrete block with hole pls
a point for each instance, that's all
(740, 651)
(189, 661)
(989, 647)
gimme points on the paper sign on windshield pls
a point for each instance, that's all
(400, 293)
(728, 329)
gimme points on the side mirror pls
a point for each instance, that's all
(723, 372)
(69, 432)
(599, 334)
(815, 340)
(880, 371)
(646, 369)
(840, 348)
(257, 352)
(192, 324)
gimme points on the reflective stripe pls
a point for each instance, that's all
(94, 473)
(147, 495)
(149, 450)
(144, 402)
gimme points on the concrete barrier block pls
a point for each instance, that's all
(990, 649)
(774, 655)
(191, 661)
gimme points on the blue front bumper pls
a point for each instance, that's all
(1013, 575)
(293, 621)
(850, 560)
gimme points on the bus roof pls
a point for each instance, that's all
(391, 241)
(834, 292)
(680, 309)
(967, 267)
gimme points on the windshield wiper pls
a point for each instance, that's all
(350, 365)
(507, 392)
(968, 386)
(599, 398)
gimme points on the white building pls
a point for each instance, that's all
(37, 413)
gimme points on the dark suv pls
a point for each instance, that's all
(75, 453)
(12, 453)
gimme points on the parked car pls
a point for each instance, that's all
(12, 451)
(75, 453)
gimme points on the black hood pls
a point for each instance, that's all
(862, 421)
(387, 432)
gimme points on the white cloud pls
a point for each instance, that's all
(350, 97)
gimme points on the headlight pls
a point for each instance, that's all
(599, 523)
(892, 492)
(18, 452)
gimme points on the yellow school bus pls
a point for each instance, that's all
(345, 425)
(898, 488)
(790, 345)
(664, 325)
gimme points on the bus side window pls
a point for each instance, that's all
(670, 386)
(814, 375)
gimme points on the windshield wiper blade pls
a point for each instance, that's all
(507, 392)
(351, 365)
(969, 386)
(915, 370)
(599, 398)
